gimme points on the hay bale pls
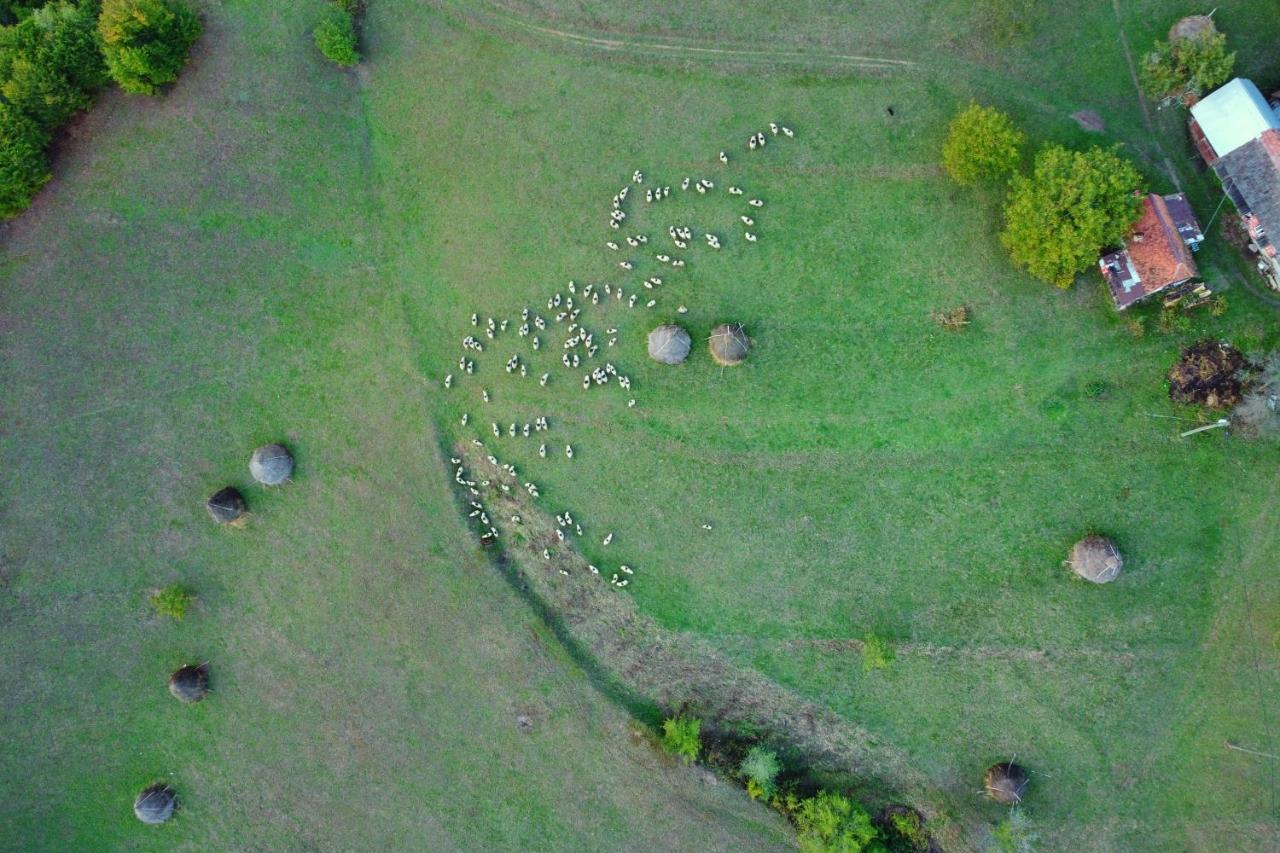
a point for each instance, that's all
(155, 804)
(729, 344)
(271, 464)
(1096, 559)
(1207, 374)
(1006, 782)
(1192, 26)
(190, 683)
(669, 344)
(227, 505)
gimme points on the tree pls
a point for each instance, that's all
(1186, 66)
(832, 822)
(1071, 205)
(145, 42)
(50, 64)
(24, 169)
(982, 144)
(761, 768)
(682, 736)
(335, 36)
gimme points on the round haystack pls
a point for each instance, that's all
(669, 344)
(190, 683)
(1192, 26)
(227, 505)
(729, 344)
(155, 804)
(1096, 559)
(1207, 374)
(271, 464)
(1006, 782)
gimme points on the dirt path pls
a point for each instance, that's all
(1143, 105)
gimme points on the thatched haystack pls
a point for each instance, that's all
(1006, 782)
(155, 804)
(1096, 559)
(1192, 26)
(729, 344)
(190, 683)
(271, 464)
(1207, 374)
(669, 344)
(227, 506)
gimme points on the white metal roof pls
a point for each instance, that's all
(1233, 115)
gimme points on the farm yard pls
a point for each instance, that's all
(280, 251)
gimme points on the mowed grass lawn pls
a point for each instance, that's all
(865, 471)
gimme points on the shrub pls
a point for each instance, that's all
(335, 36)
(50, 64)
(24, 169)
(145, 42)
(173, 601)
(876, 652)
(1071, 205)
(952, 319)
(1172, 320)
(1136, 326)
(832, 822)
(908, 827)
(682, 736)
(1218, 305)
(982, 144)
(761, 768)
(1013, 834)
(1187, 66)
(1096, 389)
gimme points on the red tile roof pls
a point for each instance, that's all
(1154, 256)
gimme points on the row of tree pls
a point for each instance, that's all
(55, 57)
(1061, 212)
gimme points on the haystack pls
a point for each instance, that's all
(1192, 26)
(271, 464)
(1207, 374)
(729, 344)
(669, 344)
(1006, 782)
(227, 505)
(155, 804)
(1096, 559)
(190, 683)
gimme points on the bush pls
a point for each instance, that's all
(1173, 320)
(24, 169)
(336, 36)
(1218, 305)
(682, 736)
(1173, 71)
(982, 144)
(173, 601)
(1014, 835)
(952, 319)
(909, 831)
(145, 42)
(1071, 205)
(761, 768)
(50, 64)
(876, 652)
(832, 822)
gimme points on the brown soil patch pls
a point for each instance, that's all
(1089, 120)
(1191, 26)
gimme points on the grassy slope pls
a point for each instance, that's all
(206, 275)
(866, 471)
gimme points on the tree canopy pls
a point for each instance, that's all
(982, 144)
(145, 42)
(336, 38)
(23, 167)
(1174, 70)
(50, 65)
(1071, 205)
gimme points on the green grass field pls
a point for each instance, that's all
(280, 250)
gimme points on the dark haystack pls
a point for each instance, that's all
(155, 804)
(729, 344)
(1207, 374)
(1191, 27)
(227, 505)
(1006, 782)
(271, 464)
(669, 344)
(1096, 559)
(190, 683)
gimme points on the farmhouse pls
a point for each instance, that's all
(1157, 255)
(1237, 132)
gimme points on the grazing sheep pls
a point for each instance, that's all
(724, 158)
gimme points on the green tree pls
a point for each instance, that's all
(50, 63)
(982, 144)
(24, 169)
(682, 736)
(832, 822)
(145, 42)
(1071, 205)
(1186, 66)
(335, 36)
(761, 768)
